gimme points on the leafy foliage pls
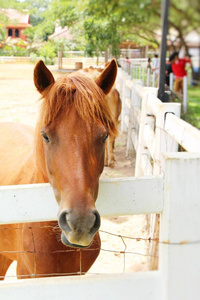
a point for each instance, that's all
(48, 53)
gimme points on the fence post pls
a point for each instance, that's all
(148, 77)
(139, 72)
(131, 69)
(163, 142)
(129, 144)
(141, 147)
(185, 103)
(134, 116)
(119, 81)
(179, 260)
(171, 81)
(60, 55)
(154, 79)
(143, 71)
(125, 111)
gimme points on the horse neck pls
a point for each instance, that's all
(41, 172)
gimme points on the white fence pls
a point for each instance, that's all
(152, 127)
(137, 69)
(171, 189)
(175, 195)
(67, 62)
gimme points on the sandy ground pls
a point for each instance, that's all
(19, 102)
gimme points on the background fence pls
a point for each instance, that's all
(67, 62)
(152, 127)
(137, 69)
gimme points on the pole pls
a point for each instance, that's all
(164, 14)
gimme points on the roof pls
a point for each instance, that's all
(16, 16)
(61, 33)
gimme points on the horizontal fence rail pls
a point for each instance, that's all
(185, 134)
(101, 287)
(27, 203)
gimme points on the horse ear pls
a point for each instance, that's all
(107, 78)
(42, 76)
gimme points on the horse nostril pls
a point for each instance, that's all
(71, 222)
(63, 223)
(97, 222)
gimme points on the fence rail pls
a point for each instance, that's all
(66, 61)
(16, 209)
(123, 286)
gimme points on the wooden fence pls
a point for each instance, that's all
(167, 183)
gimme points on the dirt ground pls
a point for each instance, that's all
(19, 102)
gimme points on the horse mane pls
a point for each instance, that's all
(80, 91)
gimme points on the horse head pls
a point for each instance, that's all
(73, 126)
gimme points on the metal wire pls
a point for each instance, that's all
(123, 252)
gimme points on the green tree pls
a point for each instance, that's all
(101, 24)
(48, 53)
(184, 18)
(3, 22)
(104, 24)
(36, 9)
(42, 26)
(95, 23)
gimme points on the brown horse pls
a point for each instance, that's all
(67, 150)
(115, 106)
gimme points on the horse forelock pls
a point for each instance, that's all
(81, 92)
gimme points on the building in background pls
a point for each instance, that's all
(17, 23)
(61, 33)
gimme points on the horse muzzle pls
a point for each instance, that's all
(78, 230)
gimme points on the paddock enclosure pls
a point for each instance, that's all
(166, 182)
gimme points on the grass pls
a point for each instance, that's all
(193, 113)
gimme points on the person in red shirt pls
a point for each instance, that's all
(178, 68)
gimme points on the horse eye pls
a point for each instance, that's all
(105, 138)
(45, 137)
